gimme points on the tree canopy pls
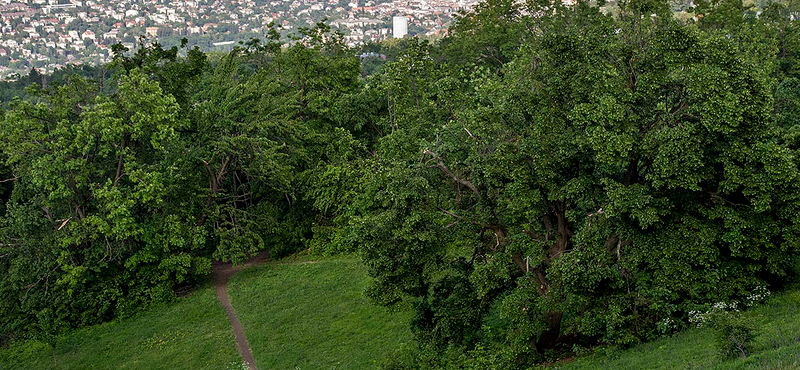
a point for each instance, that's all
(548, 175)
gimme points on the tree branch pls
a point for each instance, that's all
(120, 162)
(449, 213)
(443, 167)
(214, 185)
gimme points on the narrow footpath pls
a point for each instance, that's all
(220, 273)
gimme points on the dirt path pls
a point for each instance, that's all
(220, 273)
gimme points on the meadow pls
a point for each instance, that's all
(306, 315)
(312, 314)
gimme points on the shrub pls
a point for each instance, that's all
(734, 335)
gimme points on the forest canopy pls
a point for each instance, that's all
(547, 175)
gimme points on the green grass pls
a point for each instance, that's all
(313, 315)
(777, 345)
(192, 333)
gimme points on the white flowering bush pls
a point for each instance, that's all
(734, 335)
(758, 295)
(698, 318)
(667, 325)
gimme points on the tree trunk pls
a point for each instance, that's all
(556, 224)
(552, 335)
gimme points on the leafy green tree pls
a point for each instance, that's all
(176, 75)
(49, 330)
(490, 35)
(247, 147)
(615, 172)
(93, 228)
(777, 18)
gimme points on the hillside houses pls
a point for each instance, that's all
(47, 34)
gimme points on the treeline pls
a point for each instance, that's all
(545, 177)
(18, 88)
(116, 194)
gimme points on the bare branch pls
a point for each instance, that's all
(33, 285)
(63, 224)
(739, 345)
(468, 133)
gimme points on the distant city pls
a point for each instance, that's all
(51, 34)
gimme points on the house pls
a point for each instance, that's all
(151, 31)
(88, 34)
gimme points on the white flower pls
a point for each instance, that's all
(758, 294)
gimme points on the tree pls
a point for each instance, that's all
(248, 147)
(123, 189)
(616, 172)
(94, 227)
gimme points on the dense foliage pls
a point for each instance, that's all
(569, 176)
(113, 198)
(546, 176)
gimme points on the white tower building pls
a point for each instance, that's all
(399, 27)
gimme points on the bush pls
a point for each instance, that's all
(734, 335)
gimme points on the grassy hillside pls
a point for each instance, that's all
(313, 315)
(307, 315)
(777, 345)
(193, 333)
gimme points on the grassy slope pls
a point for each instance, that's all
(193, 333)
(313, 315)
(777, 345)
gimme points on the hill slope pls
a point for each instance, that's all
(307, 315)
(313, 315)
(776, 345)
(192, 333)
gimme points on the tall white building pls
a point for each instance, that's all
(399, 27)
